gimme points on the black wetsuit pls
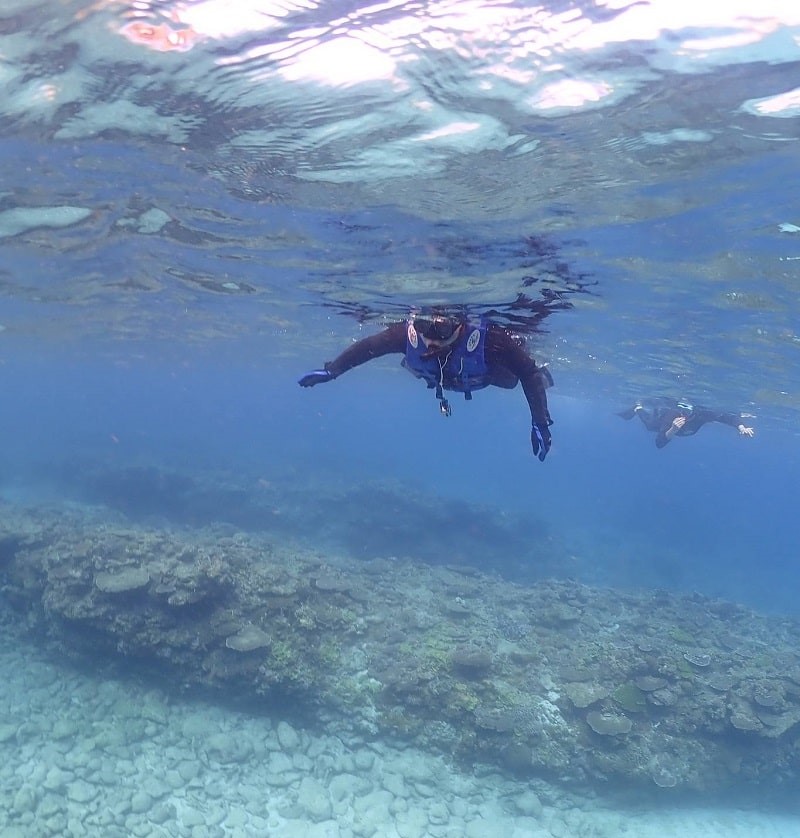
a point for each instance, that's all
(657, 415)
(506, 360)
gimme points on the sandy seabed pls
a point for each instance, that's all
(90, 754)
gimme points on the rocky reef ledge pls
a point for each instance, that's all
(557, 680)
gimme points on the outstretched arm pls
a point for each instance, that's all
(503, 348)
(735, 420)
(391, 339)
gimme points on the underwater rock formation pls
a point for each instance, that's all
(379, 518)
(556, 679)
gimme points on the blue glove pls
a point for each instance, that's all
(316, 377)
(540, 440)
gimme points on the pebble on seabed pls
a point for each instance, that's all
(120, 760)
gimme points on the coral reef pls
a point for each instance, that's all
(555, 679)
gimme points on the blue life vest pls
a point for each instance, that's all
(460, 367)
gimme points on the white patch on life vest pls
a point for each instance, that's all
(412, 335)
(472, 340)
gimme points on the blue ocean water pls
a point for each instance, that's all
(711, 513)
(201, 201)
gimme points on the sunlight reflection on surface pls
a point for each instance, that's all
(475, 29)
(544, 60)
(643, 133)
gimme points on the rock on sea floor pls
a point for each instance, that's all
(84, 755)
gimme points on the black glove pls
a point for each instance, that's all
(540, 440)
(316, 377)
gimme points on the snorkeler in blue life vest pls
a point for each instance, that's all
(667, 418)
(452, 353)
